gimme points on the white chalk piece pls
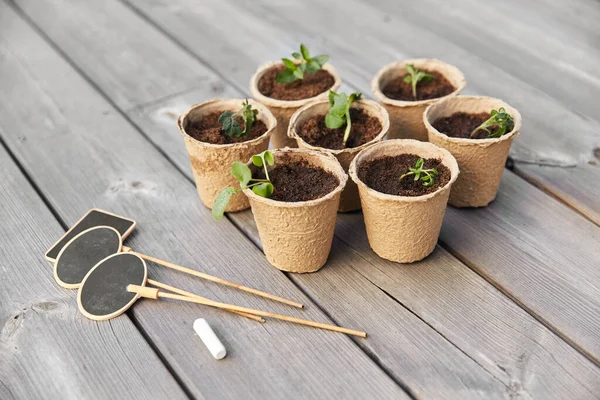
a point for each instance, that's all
(209, 338)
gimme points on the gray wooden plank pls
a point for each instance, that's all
(522, 356)
(195, 24)
(540, 252)
(528, 358)
(531, 45)
(94, 55)
(380, 36)
(87, 155)
(559, 182)
(49, 350)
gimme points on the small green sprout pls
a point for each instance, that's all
(426, 175)
(500, 119)
(231, 126)
(415, 76)
(308, 64)
(339, 111)
(241, 172)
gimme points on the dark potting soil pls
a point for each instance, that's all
(298, 180)
(460, 125)
(208, 130)
(364, 128)
(439, 86)
(312, 85)
(383, 174)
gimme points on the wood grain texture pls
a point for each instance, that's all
(520, 356)
(342, 42)
(539, 252)
(528, 358)
(56, 121)
(49, 350)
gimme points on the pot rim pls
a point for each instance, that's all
(413, 145)
(340, 174)
(269, 101)
(378, 93)
(381, 114)
(474, 142)
(264, 114)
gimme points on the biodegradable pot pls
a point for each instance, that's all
(297, 236)
(481, 161)
(403, 228)
(283, 109)
(349, 200)
(211, 163)
(406, 117)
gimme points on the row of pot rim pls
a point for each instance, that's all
(301, 241)
(384, 75)
(446, 107)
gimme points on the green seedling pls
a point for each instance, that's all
(230, 124)
(415, 76)
(241, 172)
(425, 175)
(308, 64)
(500, 119)
(339, 111)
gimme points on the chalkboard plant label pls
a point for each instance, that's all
(219, 132)
(478, 131)
(286, 85)
(406, 88)
(404, 187)
(296, 222)
(370, 123)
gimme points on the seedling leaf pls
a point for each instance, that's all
(241, 172)
(288, 63)
(304, 52)
(218, 208)
(229, 124)
(500, 119)
(263, 189)
(339, 111)
(269, 158)
(257, 160)
(296, 70)
(425, 175)
(415, 76)
(286, 76)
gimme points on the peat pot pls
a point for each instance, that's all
(406, 117)
(211, 163)
(481, 161)
(403, 229)
(283, 109)
(297, 236)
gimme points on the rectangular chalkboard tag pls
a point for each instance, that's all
(94, 217)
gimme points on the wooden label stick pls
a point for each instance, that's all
(287, 318)
(214, 278)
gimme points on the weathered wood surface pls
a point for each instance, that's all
(275, 34)
(462, 377)
(485, 345)
(47, 348)
(64, 133)
(502, 359)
